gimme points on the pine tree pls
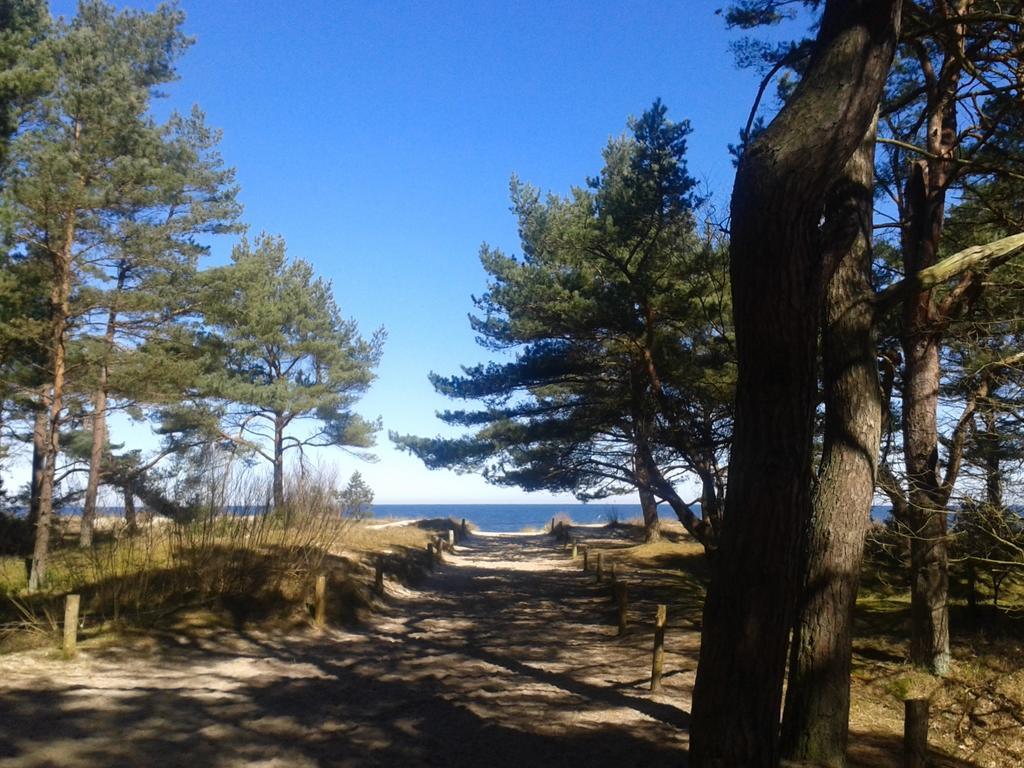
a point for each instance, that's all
(290, 367)
(357, 498)
(616, 314)
(143, 280)
(81, 165)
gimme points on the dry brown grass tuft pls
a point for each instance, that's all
(229, 567)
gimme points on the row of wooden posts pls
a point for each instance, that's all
(444, 542)
(620, 591)
(915, 718)
(915, 723)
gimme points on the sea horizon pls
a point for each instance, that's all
(498, 517)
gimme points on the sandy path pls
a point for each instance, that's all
(506, 656)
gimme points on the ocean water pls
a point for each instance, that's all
(517, 517)
(489, 517)
(507, 518)
(504, 518)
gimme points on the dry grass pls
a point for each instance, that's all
(220, 566)
(977, 711)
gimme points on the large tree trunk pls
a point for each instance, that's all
(815, 724)
(777, 284)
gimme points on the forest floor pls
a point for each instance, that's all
(507, 655)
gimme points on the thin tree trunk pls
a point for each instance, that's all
(130, 518)
(649, 506)
(38, 456)
(815, 723)
(777, 284)
(921, 337)
(99, 444)
(990, 441)
(648, 502)
(710, 504)
(972, 589)
(99, 421)
(60, 307)
(278, 462)
(659, 486)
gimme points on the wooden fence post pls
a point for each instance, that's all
(658, 660)
(71, 604)
(585, 558)
(451, 539)
(622, 599)
(378, 577)
(574, 552)
(600, 571)
(430, 556)
(320, 601)
(611, 574)
(465, 528)
(915, 733)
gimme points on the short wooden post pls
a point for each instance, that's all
(584, 558)
(465, 528)
(552, 525)
(612, 574)
(451, 539)
(574, 552)
(622, 599)
(378, 577)
(71, 603)
(600, 570)
(430, 556)
(320, 601)
(439, 548)
(915, 733)
(658, 660)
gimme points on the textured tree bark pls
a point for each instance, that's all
(278, 462)
(130, 517)
(777, 283)
(991, 448)
(99, 443)
(815, 723)
(648, 503)
(920, 338)
(649, 506)
(647, 469)
(99, 421)
(38, 455)
(60, 295)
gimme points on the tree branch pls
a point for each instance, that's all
(986, 256)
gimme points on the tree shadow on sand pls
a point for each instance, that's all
(508, 656)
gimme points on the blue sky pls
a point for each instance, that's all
(378, 139)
